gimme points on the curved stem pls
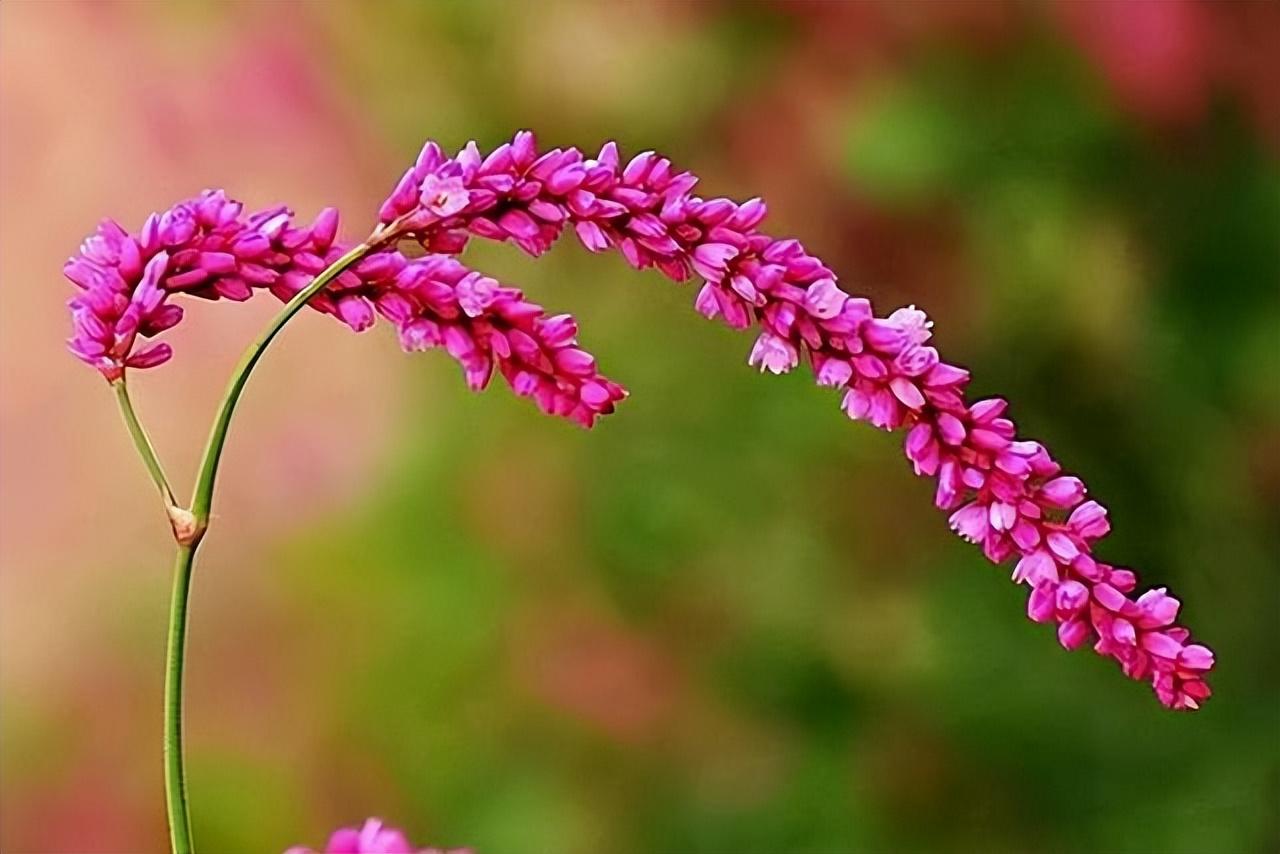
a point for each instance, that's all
(143, 442)
(175, 782)
(202, 498)
(189, 527)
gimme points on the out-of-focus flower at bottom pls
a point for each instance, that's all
(373, 837)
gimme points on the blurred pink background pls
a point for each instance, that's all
(590, 712)
(105, 112)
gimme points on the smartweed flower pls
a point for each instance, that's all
(1008, 494)
(373, 837)
(1003, 492)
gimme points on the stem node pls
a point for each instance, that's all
(187, 529)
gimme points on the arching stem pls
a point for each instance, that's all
(202, 497)
(189, 526)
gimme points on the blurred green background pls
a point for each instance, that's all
(726, 620)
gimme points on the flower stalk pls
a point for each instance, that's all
(143, 443)
(202, 496)
(190, 524)
(175, 778)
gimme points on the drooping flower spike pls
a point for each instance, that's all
(204, 247)
(373, 837)
(1004, 493)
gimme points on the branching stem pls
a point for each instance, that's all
(189, 526)
(143, 442)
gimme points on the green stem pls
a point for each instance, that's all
(202, 498)
(189, 528)
(175, 781)
(143, 442)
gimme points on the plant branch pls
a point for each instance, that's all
(143, 443)
(175, 780)
(189, 527)
(202, 497)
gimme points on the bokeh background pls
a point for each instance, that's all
(726, 620)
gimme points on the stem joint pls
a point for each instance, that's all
(188, 530)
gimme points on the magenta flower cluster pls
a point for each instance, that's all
(207, 248)
(1005, 493)
(203, 247)
(372, 837)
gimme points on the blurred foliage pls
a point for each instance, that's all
(728, 619)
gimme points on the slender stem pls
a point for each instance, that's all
(189, 527)
(175, 782)
(143, 442)
(202, 498)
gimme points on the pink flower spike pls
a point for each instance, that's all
(1011, 493)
